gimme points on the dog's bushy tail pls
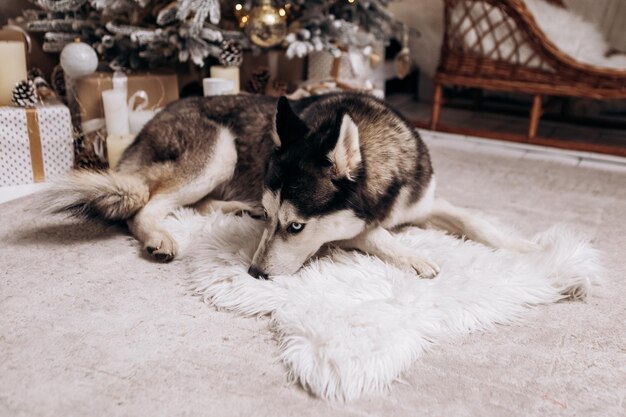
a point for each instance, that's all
(462, 222)
(102, 195)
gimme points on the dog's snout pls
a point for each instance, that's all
(255, 272)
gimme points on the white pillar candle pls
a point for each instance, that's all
(12, 69)
(229, 73)
(115, 112)
(116, 145)
(217, 86)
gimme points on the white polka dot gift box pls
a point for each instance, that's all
(35, 144)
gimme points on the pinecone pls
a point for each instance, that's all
(24, 94)
(258, 82)
(58, 82)
(34, 72)
(85, 154)
(276, 88)
(232, 54)
(44, 91)
(87, 160)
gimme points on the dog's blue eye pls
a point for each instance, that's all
(295, 227)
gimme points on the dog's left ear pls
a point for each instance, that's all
(346, 156)
(288, 126)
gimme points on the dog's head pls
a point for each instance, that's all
(309, 191)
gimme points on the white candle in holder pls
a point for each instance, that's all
(217, 86)
(138, 119)
(115, 112)
(12, 69)
(116, 145)
(229, 73)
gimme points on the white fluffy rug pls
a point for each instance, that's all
(349, 324)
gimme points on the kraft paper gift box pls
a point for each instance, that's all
(161, 89)
(36, 144)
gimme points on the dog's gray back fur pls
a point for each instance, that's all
(178, 142)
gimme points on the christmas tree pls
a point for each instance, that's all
(151, 33)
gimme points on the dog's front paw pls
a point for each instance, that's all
(161, 247)
(425, 268)
(235, 207)
(254, 211)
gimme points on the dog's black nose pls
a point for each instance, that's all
(256, 272)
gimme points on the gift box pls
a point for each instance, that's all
(280, 68)
(353, 70)
(350, 71)
(152, 90)
(160, 89)
(322, 65)
(36, 144)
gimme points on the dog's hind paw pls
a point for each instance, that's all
(425, 268)
(161, 247)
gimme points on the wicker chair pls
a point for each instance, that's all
(497, 45)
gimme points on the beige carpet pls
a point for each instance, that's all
(89, 327)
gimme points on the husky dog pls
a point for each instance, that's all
(342, 168)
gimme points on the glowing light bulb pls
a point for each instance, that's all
(282, 12)
(238, 7)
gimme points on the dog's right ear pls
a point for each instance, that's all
(289, 127)
(346, 156)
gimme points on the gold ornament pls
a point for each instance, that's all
(266, 25)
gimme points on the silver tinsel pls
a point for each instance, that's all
(201, 10)
(145, 37)
(60, 5)
(113, 6)
(167, 16)
(212, 35)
